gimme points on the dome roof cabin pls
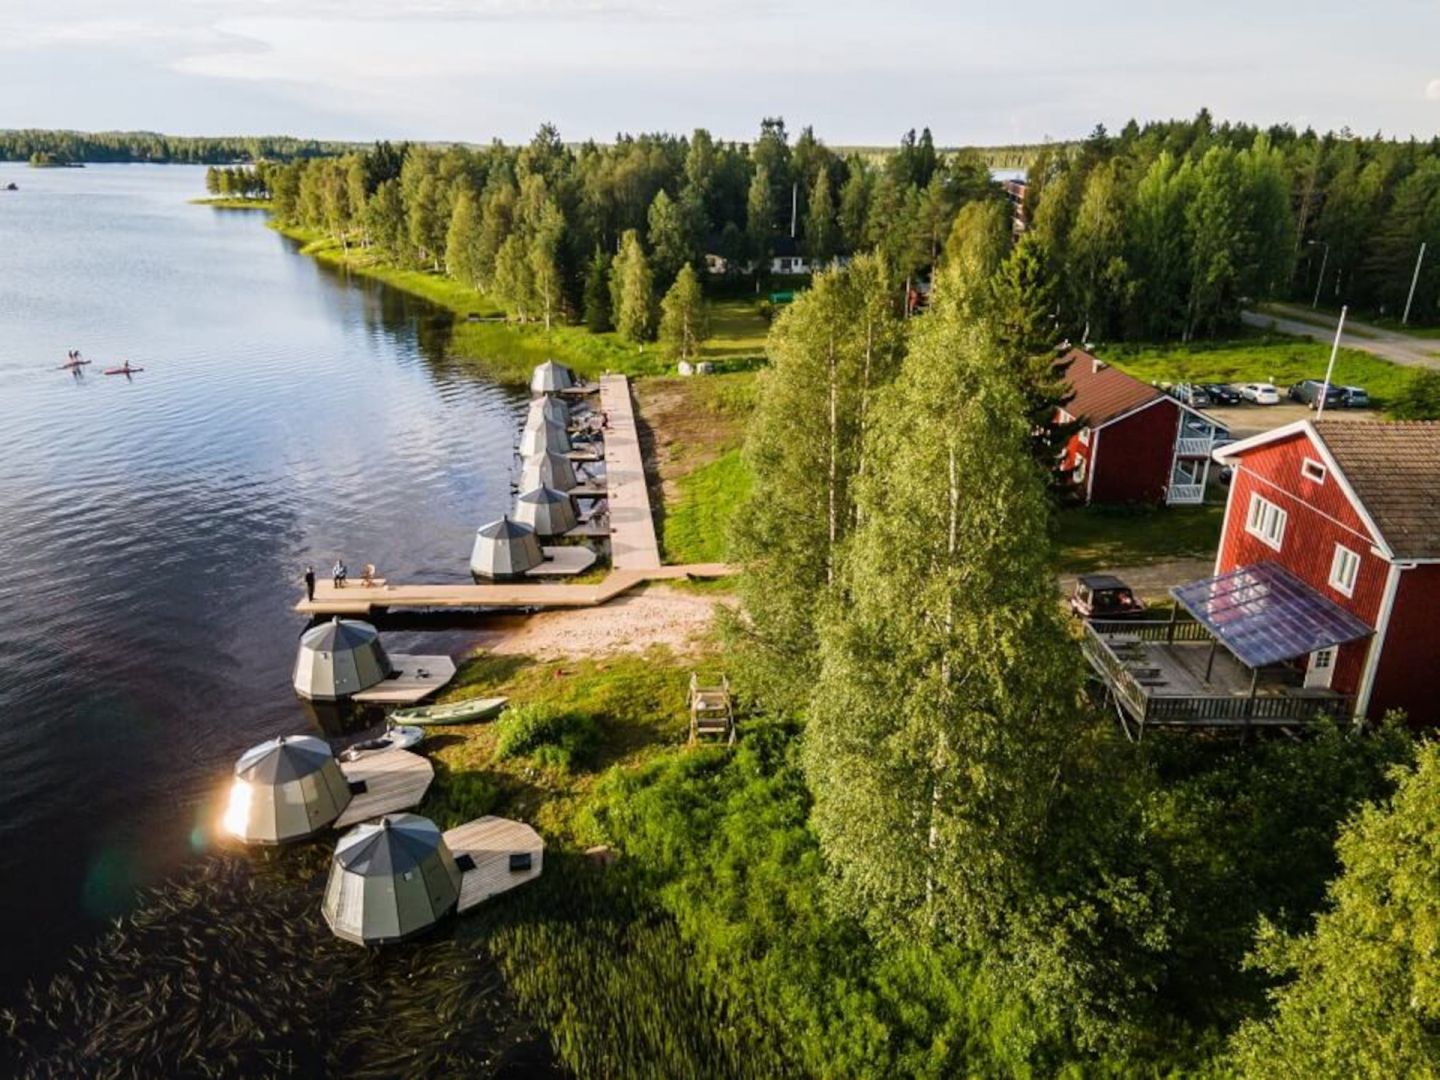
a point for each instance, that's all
(548, 470)
(547, 511)
(505, 549)
(551, 378)
(285, 789)
(549, 408)
(541, 437)
(390, 880)
(339, 658)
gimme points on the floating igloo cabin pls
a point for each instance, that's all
(505, 549)
(551, 378)
(542, 437)
(338, 659)
(547, 470)
(549, 408)
(547, 511)
(390, 880)
(285, 789)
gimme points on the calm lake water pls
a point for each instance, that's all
(152, 530)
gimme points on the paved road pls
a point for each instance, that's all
(1387, 344)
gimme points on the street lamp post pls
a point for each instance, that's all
(1413, 282)
(1323, 263)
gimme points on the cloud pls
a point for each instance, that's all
(1432, 90)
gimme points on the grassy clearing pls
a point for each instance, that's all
(510, 351)
(1097, 537)
(697, 527)
(1278, 359)
(634, 703)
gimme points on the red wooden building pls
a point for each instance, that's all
(1351, 510)
(1135, 443)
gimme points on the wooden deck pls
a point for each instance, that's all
(633, 545)
(355, 600)
(563, 561)
(394, 780)
(490, 841)
(418, 677)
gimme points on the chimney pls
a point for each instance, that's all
(1099, 364)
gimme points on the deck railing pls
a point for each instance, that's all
(1200, 710)
(1195, 445)
(1185, 494)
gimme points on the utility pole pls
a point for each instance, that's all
(1330, 367)
(1413, 282)
(1323, 263)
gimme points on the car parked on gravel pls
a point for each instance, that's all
(1307, 392)
(1261, 393)
(1222, 393)
(1354, 397)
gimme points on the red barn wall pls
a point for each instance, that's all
(1405, 677)
(1134, 457)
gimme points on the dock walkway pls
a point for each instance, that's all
(633, 545)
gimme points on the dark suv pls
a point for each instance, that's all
(1307, 392)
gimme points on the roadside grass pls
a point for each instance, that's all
(1279, 359)
(1384, 322)
(1094, 538)
(1321, 321)
(697, 527)
(636, 702)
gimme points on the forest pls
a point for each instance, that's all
(1164, 231)
(148, 146)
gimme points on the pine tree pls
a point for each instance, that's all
(597, 302)
(760, 218)
(682, 317)
(671, 244)
(822, 235)
(855, 207)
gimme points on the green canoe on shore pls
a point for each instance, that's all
(459, 712)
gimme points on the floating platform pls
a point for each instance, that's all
(488, 842)
(353, 600)
(393, 780)
(416, 678)
(563, 561)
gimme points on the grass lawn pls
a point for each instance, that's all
(1097, 538)
(697, 527)
(225, 202)
(636, 701)
(1265, 358)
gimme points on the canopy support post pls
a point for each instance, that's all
(1210, 662)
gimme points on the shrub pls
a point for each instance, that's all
(1420, 398)
(551, 736)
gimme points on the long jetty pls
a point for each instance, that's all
(634, 549)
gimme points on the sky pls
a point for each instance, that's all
(861, 73)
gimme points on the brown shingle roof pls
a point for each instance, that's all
(1394, 468)
(1101, 392)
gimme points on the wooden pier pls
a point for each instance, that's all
(633, 545)
(489, 842)
(416, 678)
(394, 780)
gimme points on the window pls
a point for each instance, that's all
(1266, 521)
(1312, 470)
(1084, 436)
(1344, 568)
(1079, 473)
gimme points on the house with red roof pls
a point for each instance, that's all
(1351, 510)
(1133, 442)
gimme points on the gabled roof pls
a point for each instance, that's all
(1390, 471)
(1101, 393)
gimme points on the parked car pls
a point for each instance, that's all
(1104, 596)
(1261, 393)
(1307, 392)
(1222, 393)
(1354, 397)
(1189, 393)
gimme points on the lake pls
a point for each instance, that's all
(153, 529)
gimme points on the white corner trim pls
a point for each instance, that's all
(1225, 521)
(1092, 463)
(1377, 642)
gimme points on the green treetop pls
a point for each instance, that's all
(682, 317)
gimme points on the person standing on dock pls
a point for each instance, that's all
(309, 583)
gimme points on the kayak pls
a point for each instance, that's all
(123, 370)
(396, 737)
(459, 712)
(69, 364)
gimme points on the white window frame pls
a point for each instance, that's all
(1266, 522)
(1082, 465)
(1344, 570)
(1084, 436)
(1313, 471)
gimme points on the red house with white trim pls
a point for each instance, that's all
(1135, 443)
(1351, 509)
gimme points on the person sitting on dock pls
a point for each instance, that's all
(338, 573)
(367, 577)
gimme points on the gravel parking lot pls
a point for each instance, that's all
(1246, 420)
